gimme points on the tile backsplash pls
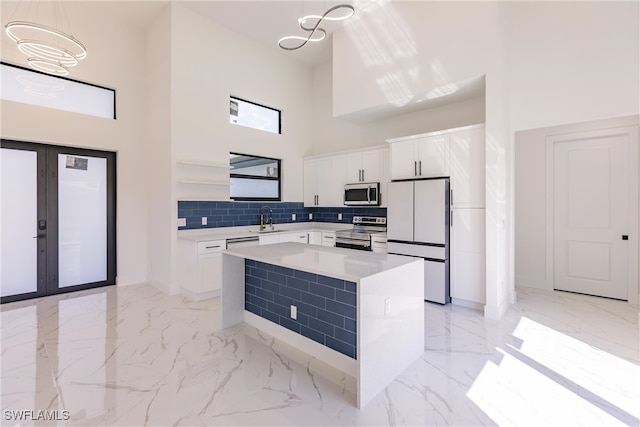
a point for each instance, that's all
(235, 214)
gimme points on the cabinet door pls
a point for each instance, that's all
(371, 166)
(433, 156)
(385, 176)
(302, 237)
(467, 253)
(467, 165)
(315, 238)
(269, 239)
(403, 159)
(324, 178)
(310, 182)
(209, 272)
(328, 239)
(335, 198)
(354, 167)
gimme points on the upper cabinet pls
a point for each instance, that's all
(458, 153)
(467, 167)
(324, 180)
(363, 166)
(325, 177)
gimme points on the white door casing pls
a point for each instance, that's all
(592, 201)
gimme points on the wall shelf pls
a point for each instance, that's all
(202, 163)
(200, 182)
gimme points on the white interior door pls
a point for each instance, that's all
(591, 214)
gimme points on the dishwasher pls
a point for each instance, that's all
(243, 242)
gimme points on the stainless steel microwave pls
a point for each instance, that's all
(362, 194)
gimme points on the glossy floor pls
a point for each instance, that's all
(134, 356)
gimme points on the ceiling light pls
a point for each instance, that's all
(48, 49)
(322, 34)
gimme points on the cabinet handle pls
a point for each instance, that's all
(451, 201)
(420, 162)
(211, 247)
(362, 175)
(451, 220)
(415, 168)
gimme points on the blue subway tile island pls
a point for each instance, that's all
(326, 306)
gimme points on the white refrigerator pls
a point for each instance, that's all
(418, 222)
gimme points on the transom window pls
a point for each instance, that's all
(256, 116)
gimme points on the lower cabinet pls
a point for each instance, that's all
(269, 239)
(315, 238)
(328, 238)
(467, 256)
(201, 276)
(379, 244)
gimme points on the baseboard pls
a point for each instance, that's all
(533, 282)
(162, 287)
(469, 304)
(199, 296)
(324, 354)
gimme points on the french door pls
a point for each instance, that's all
(57, 219)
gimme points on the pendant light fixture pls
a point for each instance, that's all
(48, 48)
(316, 33)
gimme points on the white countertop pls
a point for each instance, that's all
(204, 234)
(346, 264)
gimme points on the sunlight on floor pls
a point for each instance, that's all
(546, 377)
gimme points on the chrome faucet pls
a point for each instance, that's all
(270, 219)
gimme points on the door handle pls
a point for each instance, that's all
(40, 236)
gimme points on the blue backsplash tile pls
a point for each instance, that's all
(235, 214)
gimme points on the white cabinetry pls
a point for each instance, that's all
(271, 238)
(363, 166)
(379, 244)
(315, 238)
(323, 181)
(385, 176)
(458, 153)
(328, 238)
(202, 268)
(420, 157)
(468, 255)
(467, 167)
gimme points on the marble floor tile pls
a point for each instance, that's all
(133, 356)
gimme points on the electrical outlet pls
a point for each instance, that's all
(387, 306)
(339, 217)
(182, 222)
(294, 312)
(293, 217)
(204, 220)
(310, 215)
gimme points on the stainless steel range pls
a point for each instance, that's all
(359, 237)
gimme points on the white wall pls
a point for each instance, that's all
(162, 210)
(210, 63)
(572, 61)
(332, 134)
(116, 61)
(396, 54)
(573, 66)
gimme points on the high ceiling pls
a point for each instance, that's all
(265, 21)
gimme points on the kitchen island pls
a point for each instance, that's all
(360, 312)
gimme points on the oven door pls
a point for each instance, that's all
(359, 245)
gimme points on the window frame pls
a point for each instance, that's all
(237, 98)
(259, 178)
(8, 64)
